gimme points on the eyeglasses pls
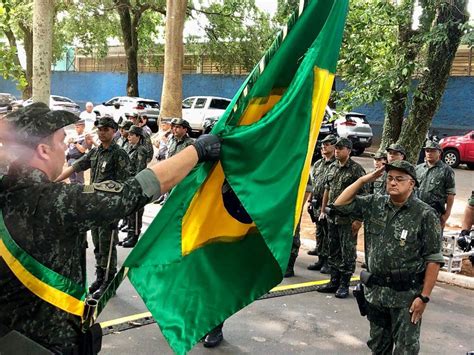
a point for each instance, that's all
(397, 179)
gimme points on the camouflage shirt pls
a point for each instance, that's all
(110, 163)
(436, 183)
(48, 221)
(138, 158)
(338, 178)
(177, 145)
(387, 249)
(379, 186)
(318, 177)
(122, 143)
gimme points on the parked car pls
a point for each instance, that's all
(458, 150)
(196, 109)
(351, 125)
(142, 106)
(6, 100)
(59, 103)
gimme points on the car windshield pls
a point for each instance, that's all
(149, 104)
(188, 103)
(5, 99)
(61, 99)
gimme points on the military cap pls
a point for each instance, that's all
(136, 130)
(126, 124)
(36, 121)
(165, 120)
(329, 139)
(403, 165)
(133, 114)
(396, 147)
(432, 145)
(180, 122)
(379, 155)
(106, 122)
(80, 122)
(343, 142)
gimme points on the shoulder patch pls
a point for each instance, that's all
(108, 186)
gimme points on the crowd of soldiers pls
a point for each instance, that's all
(403, 209)
(123, 149)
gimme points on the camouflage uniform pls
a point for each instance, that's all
(138, 162)
(342, 244)
(318, 178)
(436, 183)
(48, 221)
(113, 164)
(379, 186)
(396, 239)
(177, 145)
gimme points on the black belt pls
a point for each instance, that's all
(387, 280)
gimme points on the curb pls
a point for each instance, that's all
(443, 276)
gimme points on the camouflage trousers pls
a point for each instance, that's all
(342, 248)
(322, 238)
(392, 331)
(295, 247)
(101, 238)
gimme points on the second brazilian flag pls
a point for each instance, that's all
(223, 238)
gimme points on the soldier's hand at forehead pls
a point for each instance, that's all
(374, 175)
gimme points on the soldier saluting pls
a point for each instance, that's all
(403, 256)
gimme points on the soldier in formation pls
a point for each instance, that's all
(318, 177)
(342, 229)
(437, 183)
(108, 162)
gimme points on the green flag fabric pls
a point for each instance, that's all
(223, 238)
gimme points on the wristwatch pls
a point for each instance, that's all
(425, 299)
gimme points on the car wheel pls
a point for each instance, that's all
(470, 166)
(358, 151)
(451, 157)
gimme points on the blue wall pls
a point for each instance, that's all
(456, 110)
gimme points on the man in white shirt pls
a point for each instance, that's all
(88, 116)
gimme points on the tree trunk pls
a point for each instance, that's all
(432, 84)
(130, 42)
(174, 51)
(396, 103)
(43, 16)
(28, 44)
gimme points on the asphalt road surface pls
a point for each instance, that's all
(307, 323)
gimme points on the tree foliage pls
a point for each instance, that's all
(382, 53)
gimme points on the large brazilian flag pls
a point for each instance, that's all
(223, 238)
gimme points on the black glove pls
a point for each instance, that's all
(208, 147)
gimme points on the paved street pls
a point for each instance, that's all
(307, 323)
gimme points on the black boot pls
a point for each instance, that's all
(130, 242)
(312, 251)
(214, 337)
(100, 291)
(100, 274)
(343, 290)
(291, 265)
(333, 284)
(318, 264)
(325, 269)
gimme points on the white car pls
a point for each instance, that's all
(148, 107)
(57, 102)
(198, 108)
(351, 125)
